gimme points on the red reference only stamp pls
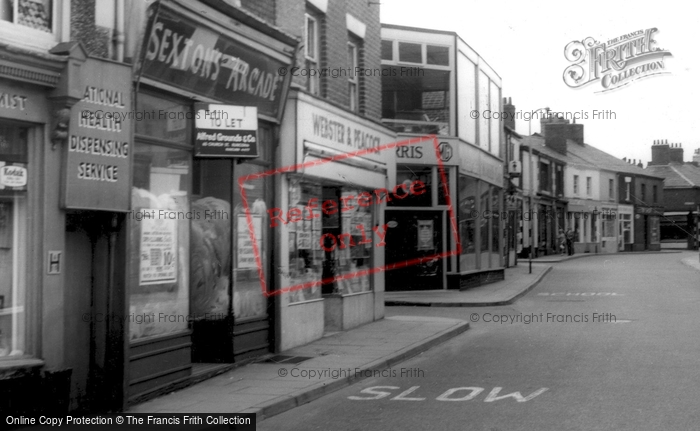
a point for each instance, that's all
(328, 242)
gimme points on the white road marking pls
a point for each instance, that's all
(474, 391)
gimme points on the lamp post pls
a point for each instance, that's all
(532, 186)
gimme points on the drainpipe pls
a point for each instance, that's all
(532, 191)
(119, 31)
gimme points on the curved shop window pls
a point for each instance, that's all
(160, 219)
(13, 239)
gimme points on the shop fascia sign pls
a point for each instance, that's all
(226, 131)
(183, 53)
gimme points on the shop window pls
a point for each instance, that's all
(306, 257)
(248, 299)
(484, 225)
(608, 225)
(164, 119)
(468, 216)
(388, 50)
(410, 52)
(160, 240)
(438, 55)
(422, 178)
(13, 239)
(355, 225)
(443, 189)
(626, 228)
(495, 226)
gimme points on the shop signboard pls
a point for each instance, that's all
(197, 58)
(98, 162)
(225, 131)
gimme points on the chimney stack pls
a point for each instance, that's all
(509, 109)
(675, 154)
(696, 156)
(660, 153)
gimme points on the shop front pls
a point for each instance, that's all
(328, 220)
(646, 228)
(625, 231)
(208, 116)
(480, 220)
(64, 195)
(421, 223)
(31, 227)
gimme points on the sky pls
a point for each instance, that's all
(524, 43)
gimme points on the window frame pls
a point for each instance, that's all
(353, 81)
(314, 57)
(589, 186)
(25, 36)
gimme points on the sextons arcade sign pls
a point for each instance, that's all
(183, 53)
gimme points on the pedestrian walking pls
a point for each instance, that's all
(562, 242)
(570, 241)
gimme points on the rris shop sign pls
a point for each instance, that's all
(97, 174)
(182, 53)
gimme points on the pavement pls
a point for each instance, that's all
(518, 281)
(693, 262)
(335, 361)
(310, 371)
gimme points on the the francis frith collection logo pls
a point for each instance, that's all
(614, 63)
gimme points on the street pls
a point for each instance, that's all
(602, 343)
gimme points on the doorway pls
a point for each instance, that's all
(412, 235)
(95, 309)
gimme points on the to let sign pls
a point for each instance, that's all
(97, 174)
(226, 131)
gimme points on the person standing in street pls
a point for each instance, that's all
(561, 239)
(570, 241)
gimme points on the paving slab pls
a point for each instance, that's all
(339, 360)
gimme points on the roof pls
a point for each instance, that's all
(536, 142)
(677, 175)
(587, 156)
(602, 160)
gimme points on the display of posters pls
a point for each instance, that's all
(425, 235)
(245, 255)
(158, 250)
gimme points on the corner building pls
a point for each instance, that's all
(434, 83)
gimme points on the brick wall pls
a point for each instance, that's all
(334, 37)
(83, 28)
(263, 9)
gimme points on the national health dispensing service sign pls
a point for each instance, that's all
(226, 131)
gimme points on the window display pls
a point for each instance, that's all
(13, 239)
(160, 240)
